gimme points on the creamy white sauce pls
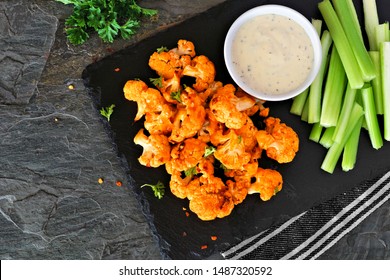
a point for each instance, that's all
(272, 54)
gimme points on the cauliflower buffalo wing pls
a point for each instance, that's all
(231, 153)
(167, 63)
(280, 141)
(148, 99)
(268, 183)
(160, 122)
(186, 154)
(210, 197)
(156, 149)
(228, 108)
(189, 118)
(203, 70)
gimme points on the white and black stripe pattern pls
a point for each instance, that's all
(310, 234)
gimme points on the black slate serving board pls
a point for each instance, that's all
(305, 184)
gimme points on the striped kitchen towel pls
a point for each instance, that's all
(310, 234)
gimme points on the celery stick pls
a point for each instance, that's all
(384, 50)
(349, 100)
(315, 133)
(359, 101)
(326, 139)
(305, 111)
(382, 33)
(315, 94)
(334, 152)
(317, 23)
(377, 82)
(355, 19)
(334, 91)
(370, 21)
(370, 116)
(351, 148)
(299, 102)
(346, 13)
(343, 46)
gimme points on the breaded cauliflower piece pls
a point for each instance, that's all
(148, 99)
(232, 152)
(160, 122)
(187, 154)
(156, 149)
(280, 141)
(189, 118)
(268, 183)
(228, 108)
(203, 70)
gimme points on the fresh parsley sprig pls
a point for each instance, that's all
(158, 189)
(107, 111)
(109, 18)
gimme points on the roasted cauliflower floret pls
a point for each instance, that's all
(187, 154)
(248, 134)
(210, 91)
(168, 87)
(184, 47)
(189, 118)
(203, 70)
(238, 190)
(166, 64)
(178, 185)
(228, 108)
(160, 122)
(156, 149)
(171, 62)
(268, 183)
(148, 99)
(232, 153)
(210, 198)
(280, 141)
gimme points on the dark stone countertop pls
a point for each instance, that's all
(53, 147)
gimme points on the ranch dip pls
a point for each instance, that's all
(272, 54)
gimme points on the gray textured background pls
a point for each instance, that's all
(53, 147)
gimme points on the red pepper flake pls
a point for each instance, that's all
(100, 180)
(187, 214)
(213, 237)
(118, 183)
(117, 69)
(184, 234)
(203, 247)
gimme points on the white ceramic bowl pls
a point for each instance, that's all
(281, 11)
